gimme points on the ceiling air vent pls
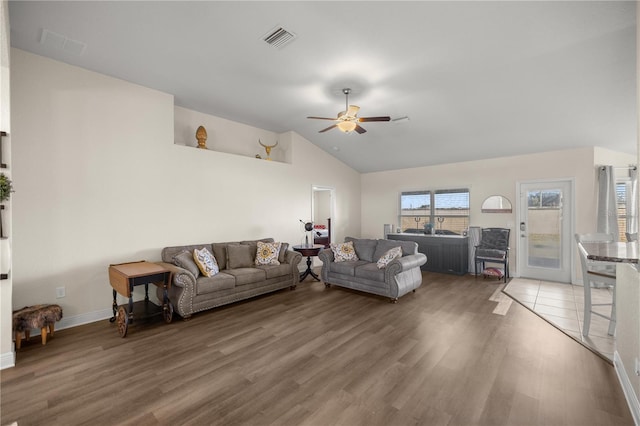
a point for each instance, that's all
(58, 41)
(279, 37)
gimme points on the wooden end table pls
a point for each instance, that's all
(123, 277)
(308, 250)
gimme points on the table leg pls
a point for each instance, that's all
(131, 307)
(114, 307)
(308, 271)
(167, 307)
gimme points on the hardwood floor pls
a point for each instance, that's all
(317, 356)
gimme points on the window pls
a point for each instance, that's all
(623, 187)
(415, 211)
(446, 210)
(451, 210)
(547, 199)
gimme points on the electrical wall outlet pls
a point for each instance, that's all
(637, 367)
(60, 292)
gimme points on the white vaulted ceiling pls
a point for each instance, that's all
(477, 79)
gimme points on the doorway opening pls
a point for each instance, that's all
(323, 213)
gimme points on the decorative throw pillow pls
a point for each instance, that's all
(184, 259)
(206, 262)
(493, 273)
(344, 252)
(267, 253)
(386, 258)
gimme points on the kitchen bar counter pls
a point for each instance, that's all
(612, 252)
(445, 253)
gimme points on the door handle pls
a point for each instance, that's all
(523, 230)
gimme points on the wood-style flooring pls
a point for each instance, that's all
(317, 356)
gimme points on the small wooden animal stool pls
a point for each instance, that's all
(43, 317)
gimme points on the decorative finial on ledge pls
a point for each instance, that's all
(201, 136)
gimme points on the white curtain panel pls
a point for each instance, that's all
(607, 208)
(474, 240)
(632, 202)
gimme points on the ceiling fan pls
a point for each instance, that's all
(348, 119)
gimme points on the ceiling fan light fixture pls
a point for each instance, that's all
(347, 126)
(348, 119)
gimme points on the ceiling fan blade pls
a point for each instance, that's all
(321, 118)
(365, 119)
(359, 129)
(328, 128)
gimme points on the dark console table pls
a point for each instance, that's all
(445, 253)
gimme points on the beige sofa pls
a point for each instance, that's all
(239, 278)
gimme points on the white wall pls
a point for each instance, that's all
(7, 355)
(627, 354)
(99, 180)
(627, 350)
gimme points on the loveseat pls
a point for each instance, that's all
(375, 270)
(238, 278)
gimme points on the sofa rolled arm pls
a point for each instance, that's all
(404, 263)
(179, 276)
(293, 258)
(326, 255)
(182, 290)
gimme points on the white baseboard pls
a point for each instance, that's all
(81, 319)
(76, 320)
(627, 388)
(8, 360)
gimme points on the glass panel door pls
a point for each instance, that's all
(545, 231)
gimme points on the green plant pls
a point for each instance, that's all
(5, 187)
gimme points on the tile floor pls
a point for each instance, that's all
(563, 306)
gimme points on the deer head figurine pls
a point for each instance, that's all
(267, 148)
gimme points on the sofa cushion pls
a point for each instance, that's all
(185, 260)
(344, 252)
(247, 275)
(364, 247)
(206, 262)
(283, 252)
(168, 253)
(386, 258)
(370, 271)
(239, 256)
(274, 271)
(347, 267)
(254, 245)
(267, 253)
(408, 247)
(220, 253)
(488, 253)
(218, 282)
